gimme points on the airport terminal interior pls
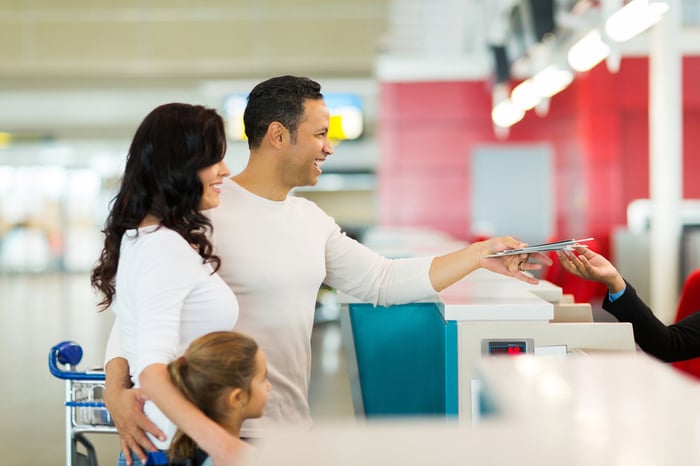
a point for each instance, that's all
(444, 134)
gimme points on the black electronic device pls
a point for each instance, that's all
(509, 346)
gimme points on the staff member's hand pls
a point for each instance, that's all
(592, 266)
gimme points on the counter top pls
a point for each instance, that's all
(485, 295)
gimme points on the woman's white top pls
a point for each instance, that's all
(165, 298)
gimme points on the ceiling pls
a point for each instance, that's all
(49, 43)
(86, 67)
(44, 43)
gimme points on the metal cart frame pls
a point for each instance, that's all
(85, 408)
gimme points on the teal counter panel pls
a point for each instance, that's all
(401, 359)
(451, 369)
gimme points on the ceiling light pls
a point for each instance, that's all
(588, 52)
(551, 80)
(525, 96)
(506, 114)
(634, 18)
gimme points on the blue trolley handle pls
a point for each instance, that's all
(85, 404)
(69, 353)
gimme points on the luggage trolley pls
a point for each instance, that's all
(85, 408)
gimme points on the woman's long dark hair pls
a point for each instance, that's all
(170, 146)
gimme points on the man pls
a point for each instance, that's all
(277, 250)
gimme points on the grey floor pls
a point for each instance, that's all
(38, 311)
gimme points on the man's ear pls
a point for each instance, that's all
(277, 134)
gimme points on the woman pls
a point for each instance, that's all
(225, 375)
(676, 342)
(157, 270)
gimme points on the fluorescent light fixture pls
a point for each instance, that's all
(633, 18)
(552, 80)
(505, 114)
(525, 96)
(588, 52)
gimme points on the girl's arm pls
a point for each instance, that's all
(224, 448)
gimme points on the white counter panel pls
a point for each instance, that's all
(590, 337)
(493, 300)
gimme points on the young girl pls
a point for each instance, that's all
(224, 374)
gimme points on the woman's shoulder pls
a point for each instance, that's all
(155, 235)
(161, 242)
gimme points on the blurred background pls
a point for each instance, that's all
(415, 87)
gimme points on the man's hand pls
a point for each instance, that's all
(512, 265)
(126, 408)
(125, 405)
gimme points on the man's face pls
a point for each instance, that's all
(306, 155)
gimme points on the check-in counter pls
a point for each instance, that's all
(419, 359)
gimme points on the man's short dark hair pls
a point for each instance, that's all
(277, 99)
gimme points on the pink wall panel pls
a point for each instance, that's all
(691, 90)
(691, 151)
(429, 147)
(416, 101)
(634, 135)
(423, 199)
(433, 148)
(632, 84)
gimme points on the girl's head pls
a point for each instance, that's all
(224, 374)
(173, 171)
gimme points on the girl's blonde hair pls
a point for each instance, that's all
(212, 365)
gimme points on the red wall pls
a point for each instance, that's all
(598, 129)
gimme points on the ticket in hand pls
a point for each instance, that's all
(565, 245)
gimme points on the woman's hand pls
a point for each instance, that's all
(592, 266)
